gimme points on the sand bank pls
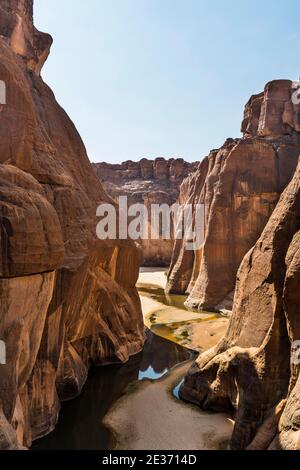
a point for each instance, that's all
(167, 316)
(150, 417)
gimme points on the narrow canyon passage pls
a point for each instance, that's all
(98, 418)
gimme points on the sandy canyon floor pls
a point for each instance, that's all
(150, 415)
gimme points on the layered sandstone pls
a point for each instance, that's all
(239, 186)
(67, 300)
(255, 368)
(147, 182)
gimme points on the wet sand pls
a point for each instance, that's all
(150, 417)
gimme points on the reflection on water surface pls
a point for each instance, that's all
(80, 423)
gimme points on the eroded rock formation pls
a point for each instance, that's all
(147, 182)
(255, 368)
(67, 300)
(239, 185)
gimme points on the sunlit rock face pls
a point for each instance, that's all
(251, 248)
(67, 299)
(148, 182)
(239, 185)
(255, 368)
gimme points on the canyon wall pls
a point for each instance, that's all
(255, 368)
(67, 299)
(239, 186)
(147, 182)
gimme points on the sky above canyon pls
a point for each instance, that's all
(148, 78)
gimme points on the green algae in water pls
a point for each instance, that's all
(153, 318)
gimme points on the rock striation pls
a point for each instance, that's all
(147, 182)
(255, 368)
(67, 299)
(239, 186)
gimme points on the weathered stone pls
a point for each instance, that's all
(147, 182)
(67, 300)
(252, 370)
(31, 238)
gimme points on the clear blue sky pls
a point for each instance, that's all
(147, 78)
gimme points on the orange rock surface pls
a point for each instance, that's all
(239, 185)
(148, 182)
(67, 299)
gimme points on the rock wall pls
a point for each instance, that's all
(239, 185)
(67, 300)
(147, 182)
(254, 370)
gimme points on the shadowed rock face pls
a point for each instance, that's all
(67, 300)
(239, 185)
(147, 182)
(253, 369)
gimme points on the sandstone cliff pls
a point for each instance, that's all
(67, 300)
(239, 185)
(255, 368)
(147, 182)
